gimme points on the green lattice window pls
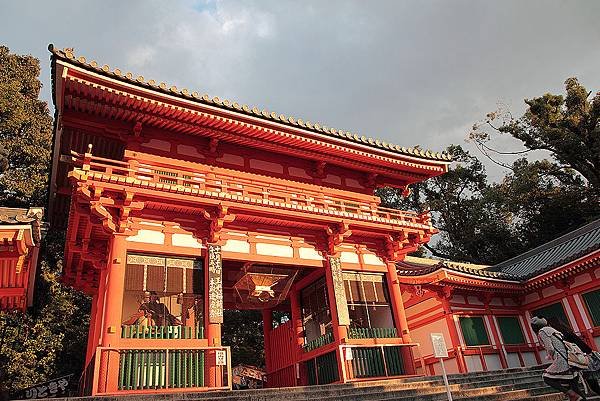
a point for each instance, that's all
(510, 329)
(473, 329)
(555, 310)
(592, 301)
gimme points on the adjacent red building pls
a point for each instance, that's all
(484, 311)
(20, 236)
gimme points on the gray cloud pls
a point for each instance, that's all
(409, 72)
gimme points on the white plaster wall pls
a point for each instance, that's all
(529, 359)
(474, 300)
(569, 312)
(371, 259)
(309, 254)
(231, 159)
(348, 257)
(473, 363)
(185, 240)
(512, 358)
(274, 250)
(158, 144)
(148, 237)
(188, 150)
(234, 245)
(492, 362)
(532, 297)
(549, 291)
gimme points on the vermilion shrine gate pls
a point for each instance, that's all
(179, 205)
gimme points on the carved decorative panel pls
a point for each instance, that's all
(184, 263)
(215, 285)
(145, 260)
(340, 293)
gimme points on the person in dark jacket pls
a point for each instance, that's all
(592, 374)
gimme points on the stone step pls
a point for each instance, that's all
(415, 387)
(510, 384)
(430, 391)
(406, 384)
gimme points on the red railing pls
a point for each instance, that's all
(230, 185)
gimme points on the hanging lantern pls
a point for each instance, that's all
(262, 287)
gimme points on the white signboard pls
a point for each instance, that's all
(221, 357)
(439, 345)
(441, 351)
(348, 354)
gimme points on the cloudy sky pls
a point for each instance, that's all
(410, 72)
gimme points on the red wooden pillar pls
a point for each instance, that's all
(91, 344)
(399, 314)
(454, 336)
(585, 333)
(297, 320)
(397, 303)
(267, 315)
(297, 327)
(213, 312)
(336, 294)
(497, 338)
(113, 308)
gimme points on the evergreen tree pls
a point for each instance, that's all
(49, 339)
(25, 132)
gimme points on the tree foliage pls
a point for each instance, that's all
(243, 332)
(537, 201)
(49, 340)
(467, 212)
(566, 126)
(25, 132)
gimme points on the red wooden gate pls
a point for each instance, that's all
(283, 350)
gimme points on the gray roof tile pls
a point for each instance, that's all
(546, 257)
(555, 253)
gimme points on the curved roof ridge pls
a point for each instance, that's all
(421, 266)
(551, 248)
(139, 80)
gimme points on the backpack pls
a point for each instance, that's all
(575, 357)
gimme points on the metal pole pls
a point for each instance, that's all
(446, 380)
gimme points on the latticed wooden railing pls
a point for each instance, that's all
(377, 362)
(159, 369)
(120, 370)
(372, 332)
(203, 180)
(322, 369)
(162, 332)
(318, 342)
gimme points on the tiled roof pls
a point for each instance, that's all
(553, 254)
(421, 266)
(11, 215)
(544, 258)
(17, 216)
(138, 80)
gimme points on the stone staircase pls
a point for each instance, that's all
(511, 384)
